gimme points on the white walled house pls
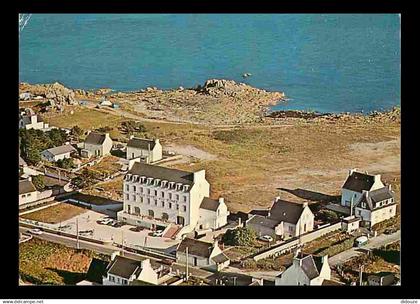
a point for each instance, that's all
(201, 254)
(30, 120)
(27, 192)
(213, 213)
(376, 206)
(97, 144)
(158, 196)
(147, 150)
(355, 184)
(57, 153)
(124, 271)
(285, 220)
(305, 270)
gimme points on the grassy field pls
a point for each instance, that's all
(46, 263)
(55, 214)
(253, 161)
(108, 165)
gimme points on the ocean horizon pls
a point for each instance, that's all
(323, 62)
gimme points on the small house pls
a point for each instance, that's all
(57, 153)
(29, 120)
(306, 270)
(350, 224)
(27, 191)
(124, 271)
(147, 150)
(355, 184)
(97, 144)
(212, 214)
(201, 254)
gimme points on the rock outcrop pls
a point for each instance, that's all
(55, 92)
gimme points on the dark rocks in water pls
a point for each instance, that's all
(296, 114)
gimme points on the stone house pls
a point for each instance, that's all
(355, 184)
(27, 191)
(147, 150)
(284, 220)
(97, 144)
(305, 270)
(375, 206)
(124, 271)
(57, 153)
(201, 254)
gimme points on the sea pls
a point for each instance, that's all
(323, 62)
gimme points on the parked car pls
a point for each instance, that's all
(266, 238)
(390, 231)
(117, 224)
(157, 233)
(36, 231)
(360, 241)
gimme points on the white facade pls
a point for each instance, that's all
(98, 149)
(213, 219)
(295, 274)
(144, 273)
(146, 198)
(28, 197)
(372, 217)
(31, 122)
(48, 156)
(149, 155)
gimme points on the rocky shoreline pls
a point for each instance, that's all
(216, 102)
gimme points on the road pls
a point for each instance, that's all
(381, 240)
(109, 249)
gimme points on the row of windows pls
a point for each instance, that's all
(117, 280)
(149, 201)
(168, 205)
(25, 195)
(154, 192)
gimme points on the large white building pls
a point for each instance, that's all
(147, 150)
(158, 196)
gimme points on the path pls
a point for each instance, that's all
(381, 240)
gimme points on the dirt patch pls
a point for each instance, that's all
(191, 151)
(55, 214)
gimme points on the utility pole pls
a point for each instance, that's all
(186, 254)
(360, 275)
(351, 206)
(234, 281)
(77, 233)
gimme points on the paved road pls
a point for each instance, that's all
(109, 249)
(376, 242)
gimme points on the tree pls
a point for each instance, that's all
(131, 126)
(38, 181)
(66, 163)
(76, 131)
(57, 137)
(32, 156)
(241, 236)
(328, 215)
(86, 179)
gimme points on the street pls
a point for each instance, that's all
(376, 242)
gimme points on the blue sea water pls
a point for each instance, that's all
(326, 63)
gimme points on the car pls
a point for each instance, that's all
(389, 231)
(117, 224)
(35, 231)
(360, 241)
(266, 238)
(157, 233)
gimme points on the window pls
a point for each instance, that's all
(111, 278)
(290, 228)
(156, 194)
(170, 205)
(148, 191)
(28, 195)
(163, 204)
(127, 197)
(127, 187)
(141, 199)
(177, 207)
(137, 210)
(170, 195)
(141, 189)
(156, 202)
(162, 194)
(148, 201)
(185, 199)
(124, 281)
(134, 188)
(133, 197)
(177, 197)
(184, 208)
(128, 209)
(151, 213)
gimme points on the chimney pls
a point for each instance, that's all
(377, 178)
(351, 171)
(199, 175)
(325, 259)
(296, 259)
(145, 264)
(114, 255)
(305, 204)
(221, 200)
(29, 178)
(131, 136)
(277, 198)
(389, 187)
(156, 140)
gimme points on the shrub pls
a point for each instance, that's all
(38, 181)
(242, 236)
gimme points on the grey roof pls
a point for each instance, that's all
(162, 173)
(284, 211)
(358, 182)
(196, 247)
(22, 162)
(124, 267)
(61, 150)
(262, 221)
(26, 186)
(220, 258)
(209, 204)
(372, 198)
(95, 138)
(326, 282)
(309, 267)
(141, 143)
